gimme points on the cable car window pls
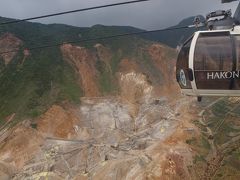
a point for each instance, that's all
(237, 51)
(183, 66)
(213, 52)
(212, 59)
(237, 44)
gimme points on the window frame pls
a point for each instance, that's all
(199, 84)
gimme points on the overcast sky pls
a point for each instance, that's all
(146, 15)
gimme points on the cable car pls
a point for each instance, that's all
(208, 63)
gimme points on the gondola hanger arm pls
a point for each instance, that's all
(237, 12)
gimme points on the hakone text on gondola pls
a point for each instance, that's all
(223, 75)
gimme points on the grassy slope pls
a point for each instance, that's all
(30, 88)
(223, 120)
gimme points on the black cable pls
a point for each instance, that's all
(73, 11)
(100, 38)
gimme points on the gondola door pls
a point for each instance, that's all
(214, 63)
(182, 68)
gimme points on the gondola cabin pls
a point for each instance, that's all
(208, 64)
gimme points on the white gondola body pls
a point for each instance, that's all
(207, 81)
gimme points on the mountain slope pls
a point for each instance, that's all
(32, 81)
(43, 33)
(108, 109)
(87, 110)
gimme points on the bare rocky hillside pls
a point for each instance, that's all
(106, 110)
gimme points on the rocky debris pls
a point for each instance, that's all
(57, 122)
(165, 65)
(20, 146)
(6, 171)
(101, 138)
(106, 145)
(128, 65)
(121, 137)
(83, 61)
(174, 167)
(135, 87)
(86, 63)
(104, 116)
(8, 42)
(104, 137)
(135, 90)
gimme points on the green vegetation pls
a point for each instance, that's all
(146, 63)
(198, 158)
(116, 59)
(200, 144)
(29, 89)
(192, 141)
(34, 126)
(105, 78)
(223, 120)
(204, 143)
(200, 126)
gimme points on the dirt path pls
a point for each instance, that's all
(218, 153)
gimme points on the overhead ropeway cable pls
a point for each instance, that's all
(100, 38)
(72, 11)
